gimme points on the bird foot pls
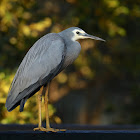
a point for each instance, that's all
(39, 129)
(48, 129)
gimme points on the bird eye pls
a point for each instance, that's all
(77, 32)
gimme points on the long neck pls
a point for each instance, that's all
(66, 37)
(73, 48)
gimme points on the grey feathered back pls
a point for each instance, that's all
(42, 62)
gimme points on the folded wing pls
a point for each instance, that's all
(42, 62)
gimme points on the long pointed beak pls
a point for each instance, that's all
(92, 37)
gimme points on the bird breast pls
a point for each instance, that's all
(72, 53)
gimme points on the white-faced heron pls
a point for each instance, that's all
(46, 58)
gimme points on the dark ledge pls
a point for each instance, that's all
(112, 132)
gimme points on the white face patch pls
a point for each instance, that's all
(77, 34)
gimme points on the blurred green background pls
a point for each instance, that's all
(103, 84)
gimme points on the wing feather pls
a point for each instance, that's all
(41, 60)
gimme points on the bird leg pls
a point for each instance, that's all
(45, 92)
(39, 128)
(46, 100)
(48, 128)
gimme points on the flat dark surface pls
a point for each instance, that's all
(113, 132)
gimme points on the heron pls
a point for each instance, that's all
(49, 55)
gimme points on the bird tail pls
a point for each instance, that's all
(22, 103)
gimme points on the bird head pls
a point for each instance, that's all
(81, 34)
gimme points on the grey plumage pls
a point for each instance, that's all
(45, 59)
